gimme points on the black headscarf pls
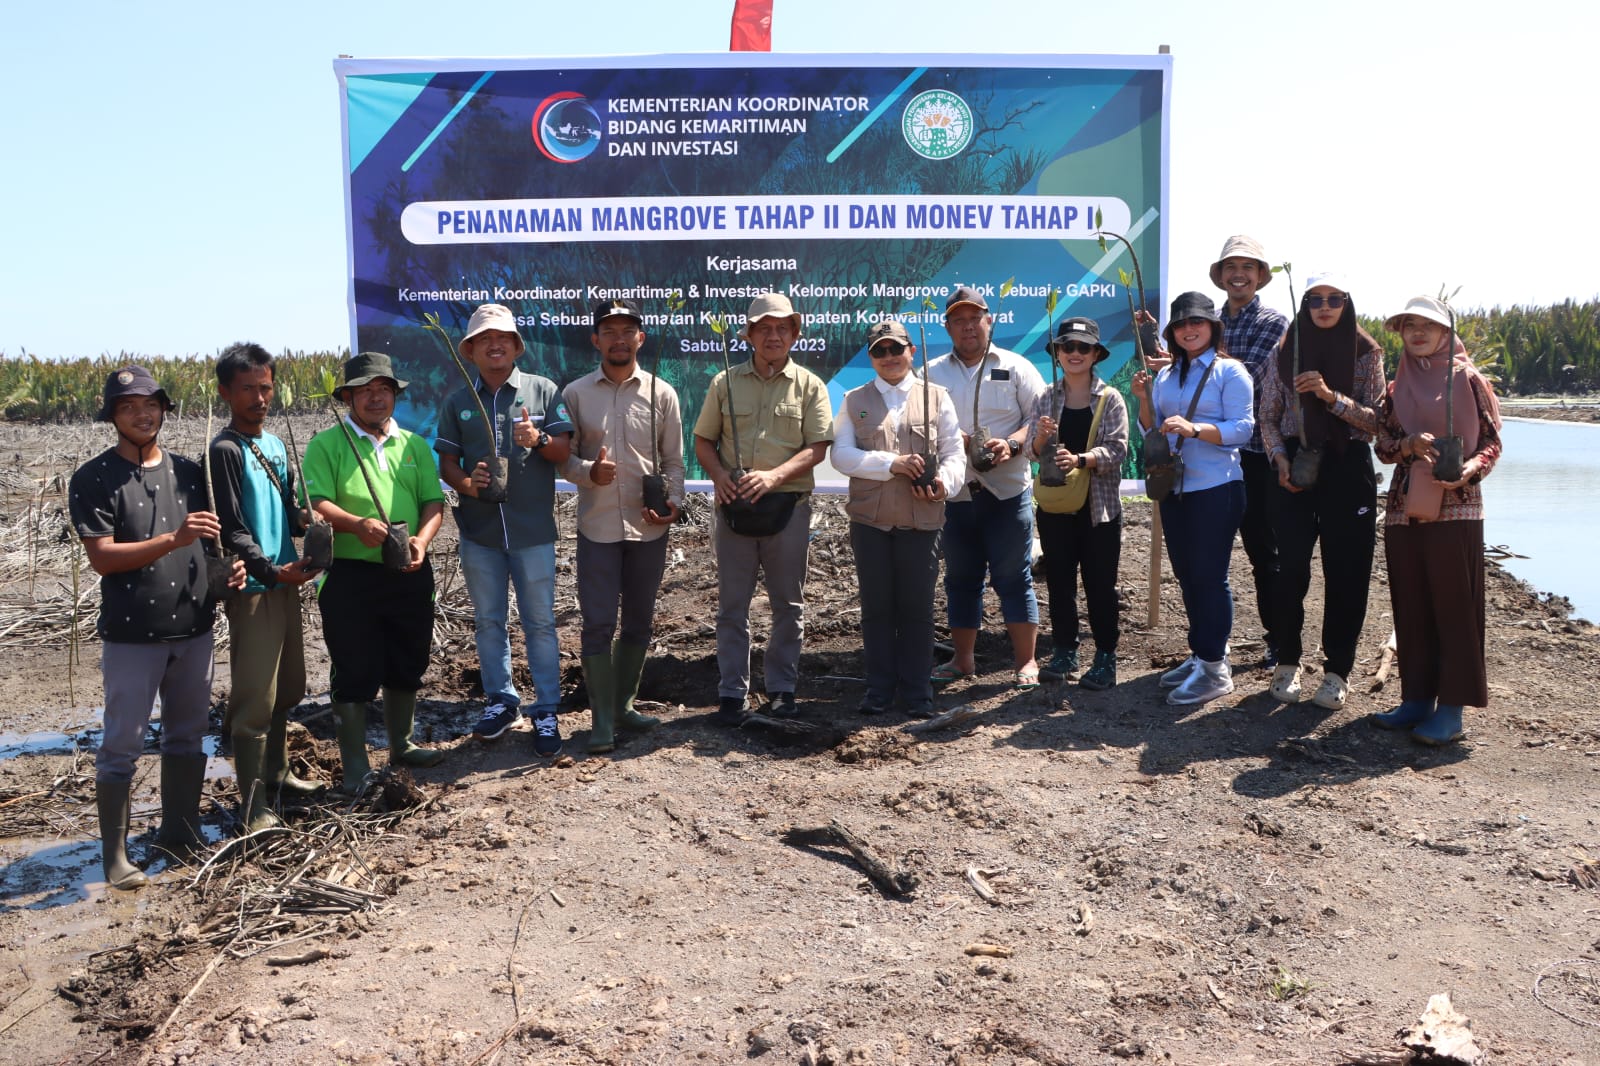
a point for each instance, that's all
(1332, 352)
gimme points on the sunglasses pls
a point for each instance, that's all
(1333, 302)
(887, 350)
(1076, 346)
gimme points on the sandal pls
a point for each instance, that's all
(1028, 677)
(945, 673)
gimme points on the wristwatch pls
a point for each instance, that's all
(1014, 446)
(541, 441)
(1083, 461)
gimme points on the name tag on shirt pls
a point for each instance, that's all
(998, 374)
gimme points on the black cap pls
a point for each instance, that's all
(130, 380)
(965, 294)
(607, 308)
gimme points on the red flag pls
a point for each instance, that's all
(752, 26)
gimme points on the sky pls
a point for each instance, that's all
(172, 173)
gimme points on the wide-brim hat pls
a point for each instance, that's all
(1428, 307)
(771, 305)
(1192, 305)
(1086, 330)
(1241, 247)
(368, 367)
(131, 380)
(492, 316)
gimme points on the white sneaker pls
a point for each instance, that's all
(1205, 684)
(1180, 673)
(1286, 683)
(1331, 692)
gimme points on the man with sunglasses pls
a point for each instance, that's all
(988, 528)
(884, 435)
(1251, 333)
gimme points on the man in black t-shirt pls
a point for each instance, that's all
(141, 513)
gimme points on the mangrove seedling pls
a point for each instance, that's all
(654, 484)
(316, 549)
(1050, 473)
(1451, 462)
(499, 469)
(218, 570)
(1307, 461)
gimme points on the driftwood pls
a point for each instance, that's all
(1443, 1035)
(790, 726)
(895, 881)
(954, 716)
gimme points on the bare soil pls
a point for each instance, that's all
(1239, 883)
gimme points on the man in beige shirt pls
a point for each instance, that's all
(784, 426)
(629, 428)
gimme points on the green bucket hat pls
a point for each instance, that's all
(367, 367)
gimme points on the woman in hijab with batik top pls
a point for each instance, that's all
(1433, 532)
(1320, 410)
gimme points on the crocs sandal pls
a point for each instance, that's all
(945, 673)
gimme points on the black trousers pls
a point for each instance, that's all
(1260, 545)
(1341, 512)
(897, 570)
(378, 625)
(1072, 543)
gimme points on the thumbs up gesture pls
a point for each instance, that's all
(523, 432)
(603, 471)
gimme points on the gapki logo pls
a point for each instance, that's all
(565, 128)
(937, 124)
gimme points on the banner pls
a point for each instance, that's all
(863, 187)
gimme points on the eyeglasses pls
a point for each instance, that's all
(1315, 301)
(1075, 346)
(887, 350)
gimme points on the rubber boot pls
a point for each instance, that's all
(351, 720)
(112, 798)
(600, 679)
(628, 661)
(1442, 727)
(400, 719)
(255, 794)
(275, 762)
(183, 779)
(1408, 714)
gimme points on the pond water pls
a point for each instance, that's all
(1543, 501)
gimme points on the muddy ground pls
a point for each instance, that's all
(1242, 883)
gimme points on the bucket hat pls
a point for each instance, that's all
(487, 317)
(131, 380)
(770, 305)
(1192, 305)
(368, 367)
(1428, 307)
(1241, 247)
(1079, 329)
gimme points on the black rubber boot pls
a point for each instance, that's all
(275, 761)
(628, 662)
(183, 780)
(400, 718)
(255, 794)
(351, 721)
(112, 799)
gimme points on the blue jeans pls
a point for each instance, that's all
(987, 532)
(533, 571)
(1199, 528)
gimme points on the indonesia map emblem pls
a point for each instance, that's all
(937, 124)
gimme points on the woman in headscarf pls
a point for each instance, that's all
(1433, 532)
(1323, 401)
(1203, 403)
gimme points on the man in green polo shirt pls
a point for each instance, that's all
(376, 620)
(785, 424)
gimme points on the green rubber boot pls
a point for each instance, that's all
(183, 780)
(599, 677)
(112, 798)
(400, 718)
(255, 794)
(628, 661)
(351, 720)
(275, 762)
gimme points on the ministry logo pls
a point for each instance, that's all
(937, 124)
(565, 127)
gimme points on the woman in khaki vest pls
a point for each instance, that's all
(886, 433)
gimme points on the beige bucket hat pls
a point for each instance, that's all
(1242, 247)
(771, 305)
(491, 316)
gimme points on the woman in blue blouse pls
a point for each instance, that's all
(1203, 512)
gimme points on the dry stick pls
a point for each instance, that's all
(211, 968)
(895, 881)
(511, 976)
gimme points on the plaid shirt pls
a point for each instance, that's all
(1280, 413)
(1109, 447)
(1252, 336)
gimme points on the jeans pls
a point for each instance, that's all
(1200, 527)
(987, 532)
(489, 572)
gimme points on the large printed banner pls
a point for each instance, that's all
(863, 187)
